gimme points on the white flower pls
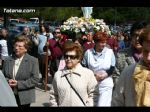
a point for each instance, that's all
(77, 30)
(76, 24)
(63, 27)
(67, 27)
(97, 28)
(83, 29)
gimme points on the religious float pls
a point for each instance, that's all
(84, 24)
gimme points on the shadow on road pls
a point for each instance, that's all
(46, 104)
(41, 85)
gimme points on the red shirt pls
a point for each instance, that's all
(56, 47)
(88, 45)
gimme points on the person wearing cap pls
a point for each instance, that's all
(101, 60)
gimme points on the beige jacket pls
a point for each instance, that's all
(82, 79)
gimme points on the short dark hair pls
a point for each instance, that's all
(46, 27)
(100, 36)
(57, 28)
(138, 25)
(70, 46)
(145, 35)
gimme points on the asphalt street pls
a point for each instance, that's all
(42, 96)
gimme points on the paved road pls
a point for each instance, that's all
(42, 96)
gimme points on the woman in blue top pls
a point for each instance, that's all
(101, 60)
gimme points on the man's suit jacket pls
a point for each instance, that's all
(27, 77)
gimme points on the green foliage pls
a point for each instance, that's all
(109, 14)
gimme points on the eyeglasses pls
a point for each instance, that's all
(57, 32)
(135, 36)
(70, 56)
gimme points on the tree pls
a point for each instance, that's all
(63, 13)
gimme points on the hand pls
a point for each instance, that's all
(12, 83)
(101, 75)
(47, 44)
(115, 48)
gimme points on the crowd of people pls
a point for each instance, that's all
(91, 69)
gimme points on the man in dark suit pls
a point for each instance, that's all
(22, 72)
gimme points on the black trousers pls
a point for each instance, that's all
(19, 104)
(53, 67)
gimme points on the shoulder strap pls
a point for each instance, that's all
(75, 91)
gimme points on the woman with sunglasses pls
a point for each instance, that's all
(74, 85)
(55, 46)
(133, 53)
(101, 60)
(133, 87)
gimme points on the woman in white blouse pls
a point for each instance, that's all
(101, 60)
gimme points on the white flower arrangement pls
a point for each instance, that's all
(76, 24)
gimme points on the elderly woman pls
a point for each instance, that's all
(74, 85)
(22, 72)
(101, 60)
(133, 85)
(132, 54)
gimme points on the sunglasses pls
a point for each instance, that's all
(70, 56)
(57, 32)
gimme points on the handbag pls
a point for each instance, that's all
(75, 91)
(146, 94)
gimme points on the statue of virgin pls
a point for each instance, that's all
(87, 11)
